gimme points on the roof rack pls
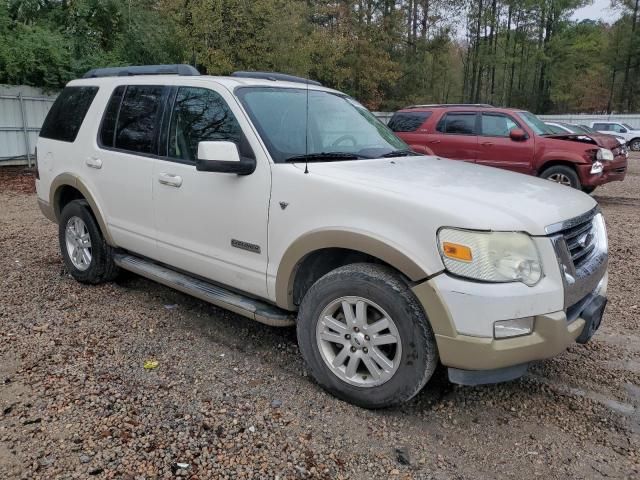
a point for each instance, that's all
(434, 105)
(185, 70)
(274, 76)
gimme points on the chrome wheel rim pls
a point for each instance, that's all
(560, 178)
(358, 341)
(78, 243)
(635, 146)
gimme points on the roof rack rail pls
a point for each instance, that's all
(434, 105)
(185, 70)
(274, 76)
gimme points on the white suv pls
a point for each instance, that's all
(290, 204)
(630, 134)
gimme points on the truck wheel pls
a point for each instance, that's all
(563, 175)
(365, 337)
(634, 144)
(86, 254)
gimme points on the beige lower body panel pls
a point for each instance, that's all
(551, 336)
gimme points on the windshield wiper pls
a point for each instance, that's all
(400, 153)
(324, 157)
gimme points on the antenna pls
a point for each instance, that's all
(306, 132)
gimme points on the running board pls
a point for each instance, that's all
(221, 297)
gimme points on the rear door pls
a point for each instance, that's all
(456, 136)
(409, 127)
(495, 147)
(121, 168)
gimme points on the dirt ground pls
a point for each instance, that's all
(231, 399)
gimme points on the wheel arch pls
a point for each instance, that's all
(553, 163)
(316, 253)
(67, 187)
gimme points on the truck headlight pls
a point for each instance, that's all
(490, 256)
(604, 154)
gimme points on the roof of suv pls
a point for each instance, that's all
(177, 74)
(458, 106)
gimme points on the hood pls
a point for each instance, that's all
(462, 194)
(600, 139)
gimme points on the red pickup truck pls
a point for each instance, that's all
(512, 139)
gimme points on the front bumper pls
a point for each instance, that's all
(552, 334)
(613, 171)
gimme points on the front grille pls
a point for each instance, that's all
(581, 241)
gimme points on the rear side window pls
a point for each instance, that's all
(458, 124)
(138, 118)
(601, 126)
(108, 128)
(67, 113)
(407, 121)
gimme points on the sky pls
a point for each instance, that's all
(598, 10)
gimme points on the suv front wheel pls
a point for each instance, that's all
(562, 174)
(365, 337)
(87, 256)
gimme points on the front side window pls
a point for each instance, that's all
(296, 121)
(138, 118)
(67, 113)
(200, 114)
(458, 124)
(496, 125)
(535, 124)
(407, 121)
(619, 128)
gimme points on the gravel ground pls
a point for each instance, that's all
(231, 399)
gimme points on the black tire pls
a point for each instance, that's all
(562, 170)
(634, 144)
(588, 189)
(385, 287)
(102, 267)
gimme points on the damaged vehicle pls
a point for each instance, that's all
(512, 139)
(289, 203)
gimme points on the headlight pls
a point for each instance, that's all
(490, 256)
(604, 154)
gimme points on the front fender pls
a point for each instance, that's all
(338, 238)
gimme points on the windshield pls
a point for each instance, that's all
(627, 126)
(583, 129)
(333, 124)
(535, 124)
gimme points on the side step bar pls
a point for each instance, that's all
(246, 306)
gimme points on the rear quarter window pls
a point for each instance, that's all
(67, 113)
(407, 121)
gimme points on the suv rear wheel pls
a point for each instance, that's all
(364, 336)
(634, 144)
(563, 175)
(86, 254)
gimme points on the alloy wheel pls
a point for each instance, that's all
(78, 242)
(560, 178)
(358, 341)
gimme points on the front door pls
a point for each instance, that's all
(211, 224)
(496, 149)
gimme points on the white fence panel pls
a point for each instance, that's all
(22, 112)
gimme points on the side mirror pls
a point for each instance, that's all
(223, 157)
(623, 130)
(517, 135)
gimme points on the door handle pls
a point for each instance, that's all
(93, 162)
(170, 180)
(434, 141)
(487, 144)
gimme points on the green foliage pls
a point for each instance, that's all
(386, 53)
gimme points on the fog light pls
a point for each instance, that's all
(513, 328)
(596, 168)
